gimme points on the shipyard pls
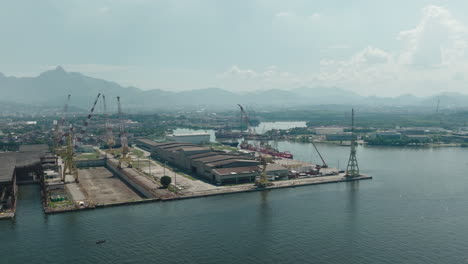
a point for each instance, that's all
(87, 171)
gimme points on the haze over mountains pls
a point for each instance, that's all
(50, 88)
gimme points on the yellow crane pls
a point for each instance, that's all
(110, 141)
(263, 181)
(124, 157)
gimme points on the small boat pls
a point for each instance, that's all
(100, 242)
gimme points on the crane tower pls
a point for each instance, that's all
(353, 168)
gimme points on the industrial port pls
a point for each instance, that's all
(75, 175)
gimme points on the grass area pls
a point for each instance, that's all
(88, 156)
(138, 153)
(65, 203)
(172, 188)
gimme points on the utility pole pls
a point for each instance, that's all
(149, 164)
(165, 164)
(175, 178)
(353, 168)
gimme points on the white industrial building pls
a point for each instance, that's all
(328, 130)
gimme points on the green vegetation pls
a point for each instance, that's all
(165, 181)
(138, 153)
(58, 204)
(88, 156)
(172, 188)
(404, 141)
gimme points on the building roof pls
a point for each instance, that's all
(147, 141)
(215, 158)
(30, 154)
(7, 166)
(224, 162)
(187, 149)
(43, 148)
(176, 144)
(236, 170)
(206, 154)
(275, 167)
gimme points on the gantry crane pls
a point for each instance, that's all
(59, 134)
(110, 141)
(68, 158)
(124, 157)
(263, 181)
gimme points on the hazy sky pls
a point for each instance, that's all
(372, 47)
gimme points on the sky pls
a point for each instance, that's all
(372, 47)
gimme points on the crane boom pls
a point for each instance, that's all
(245, 118)
(320, 155)
(86, 122)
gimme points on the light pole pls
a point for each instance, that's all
(149, 164)
(175, 178)
(165, 164)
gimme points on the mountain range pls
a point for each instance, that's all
(50, 88)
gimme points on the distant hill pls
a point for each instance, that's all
(50, 88)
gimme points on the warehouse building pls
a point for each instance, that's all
(8, 187)
(215, 166)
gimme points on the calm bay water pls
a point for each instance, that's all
(415, 210)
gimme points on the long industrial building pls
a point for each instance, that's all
(215, 166)
(25, 166)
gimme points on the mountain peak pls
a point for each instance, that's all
(59, 69)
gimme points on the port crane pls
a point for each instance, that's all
(59, 134)
(245, 119)
(324, 164)
(86, 121)
(263, 181)
(124, 157)
(110, 141)
(69, 153)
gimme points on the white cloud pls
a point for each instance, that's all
(432, 56)
(236, 72)
(438, 39)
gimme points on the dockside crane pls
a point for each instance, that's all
(246, 119)
(69, 166)
(110, 141)
(59, 134)
(263, 181)
(123, 138)
(324, 164)
(84, 128)
(69, 153)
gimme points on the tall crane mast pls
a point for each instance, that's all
(110, 141)
(68, 155)
(123, 138)
(245, 118)
(60, 124)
